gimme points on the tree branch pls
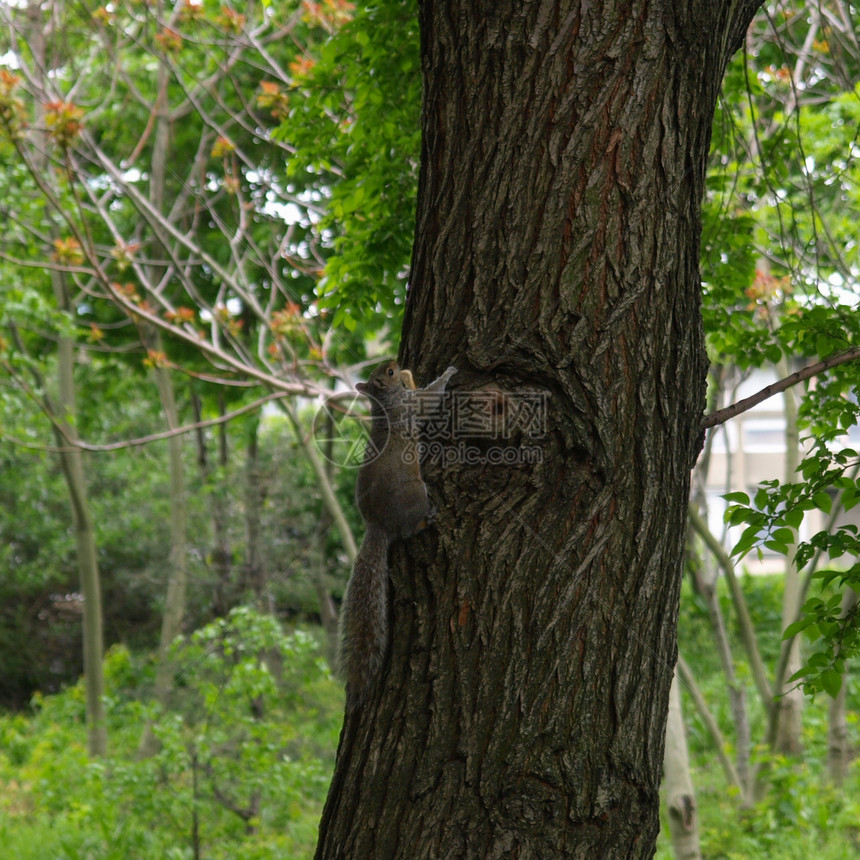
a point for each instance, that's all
(75, 444)
(185, 428)
(720, 416)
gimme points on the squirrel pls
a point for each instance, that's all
(393, 502)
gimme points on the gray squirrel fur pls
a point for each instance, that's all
(392, 499)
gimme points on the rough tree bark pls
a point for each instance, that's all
(521, 710)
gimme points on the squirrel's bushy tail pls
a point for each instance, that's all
(364, 617)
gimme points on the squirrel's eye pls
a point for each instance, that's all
(391, 371)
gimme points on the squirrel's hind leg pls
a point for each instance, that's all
(415, 512)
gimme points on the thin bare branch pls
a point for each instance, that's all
(80, 445)
(689, 682)
(720, 416)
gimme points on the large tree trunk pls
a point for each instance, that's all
(521, 712)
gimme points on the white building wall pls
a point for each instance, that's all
(747, 450)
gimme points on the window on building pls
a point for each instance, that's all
(762, 435)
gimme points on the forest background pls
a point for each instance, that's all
(209, 215)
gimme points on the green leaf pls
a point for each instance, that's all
(773, 353)
(823, 501)
(793, 518)
(736, 516)
(747, 542)
(796, 627)
(819, 660)
(784, 536)
(826, 576)
(777, 547)
(831, 682)
(802, 672)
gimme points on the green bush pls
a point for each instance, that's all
(247, 743)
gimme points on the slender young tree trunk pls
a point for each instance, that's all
(177, 563)
(790, 703)
(521, 710)
(253, 573)
(839, 748)
(221, 554)
(680, 795)
(177, 576)
(720, 744)
(322, 585)
(319, 562)
(744, 620)
(736, 691)
(71, 460)
(323, 479)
